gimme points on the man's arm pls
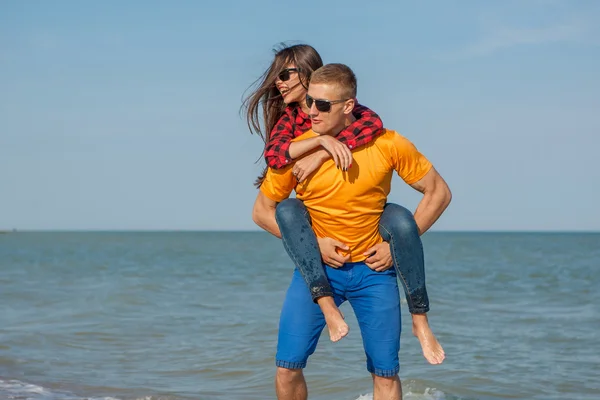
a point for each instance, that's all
(436, 198)
(263, 214)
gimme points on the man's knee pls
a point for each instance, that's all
(290, 211)
(385, 382)
(287, 375)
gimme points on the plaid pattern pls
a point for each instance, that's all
(294, 122)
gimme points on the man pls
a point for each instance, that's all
(346, 206)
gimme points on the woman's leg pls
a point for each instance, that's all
(301, 244)
(398, 227)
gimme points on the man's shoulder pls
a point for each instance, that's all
(390, 134)
(392, 142)
(392, 137)
(388, 137)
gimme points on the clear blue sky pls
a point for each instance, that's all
(125, 114)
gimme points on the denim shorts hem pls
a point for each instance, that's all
(290, 365)
(385, 373)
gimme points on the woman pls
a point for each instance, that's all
(281, 97)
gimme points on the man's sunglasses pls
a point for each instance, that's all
(285, 74)
(322, 105)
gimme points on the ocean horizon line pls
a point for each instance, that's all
(178, 230)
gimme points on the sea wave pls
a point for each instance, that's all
(17, 390)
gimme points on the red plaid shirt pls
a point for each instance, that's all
(295, 122)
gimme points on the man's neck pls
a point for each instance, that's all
(305, 109)
(347, 121)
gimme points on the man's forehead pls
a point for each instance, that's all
(323, 91)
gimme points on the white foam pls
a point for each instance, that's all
(17, 390)
(428, 394)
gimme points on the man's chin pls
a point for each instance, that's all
(318, 128)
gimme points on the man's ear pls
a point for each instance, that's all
(349, 106)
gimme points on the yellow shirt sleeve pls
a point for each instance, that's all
(408, 162)
(278, 184)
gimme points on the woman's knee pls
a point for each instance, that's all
(290, 211)
(397, 219)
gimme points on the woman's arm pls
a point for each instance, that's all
(367, 127)
(277, 148)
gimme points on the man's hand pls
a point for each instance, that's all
(309, 164)
(380, 257)
(341, 154)
(329, 254)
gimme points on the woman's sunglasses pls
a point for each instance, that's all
(322, 105)
(285, 74)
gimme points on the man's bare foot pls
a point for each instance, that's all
(432, 349)
(338, 328)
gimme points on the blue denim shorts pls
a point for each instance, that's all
(375, 300)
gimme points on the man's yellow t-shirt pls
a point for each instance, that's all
(346, 206)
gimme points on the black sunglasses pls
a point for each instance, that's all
(322, 105)
(285, 74)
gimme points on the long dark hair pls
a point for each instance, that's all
(265, 100)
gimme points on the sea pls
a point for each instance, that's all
(194, 315)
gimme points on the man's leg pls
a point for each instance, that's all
(301, 244)
(300, 326)
(398, 227)
(387, 388)
(290, 384)
(376, 302)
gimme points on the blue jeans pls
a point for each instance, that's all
(397, 226)
(376, 303)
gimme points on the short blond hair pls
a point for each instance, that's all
(337, 74)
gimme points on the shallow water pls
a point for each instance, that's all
(194, 316)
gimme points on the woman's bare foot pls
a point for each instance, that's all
(338, 328)
(432, 350)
